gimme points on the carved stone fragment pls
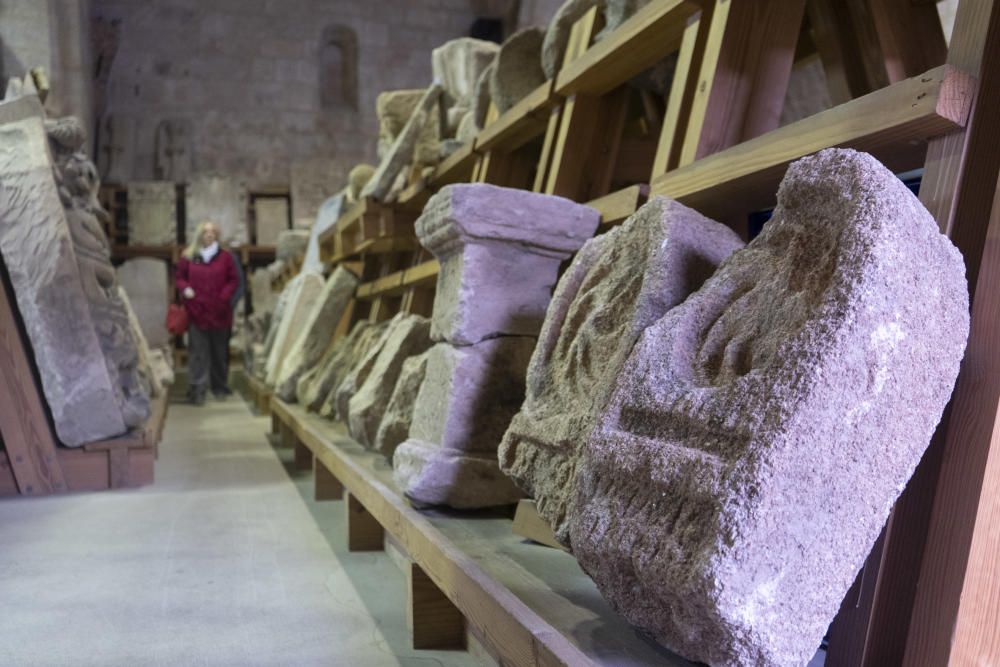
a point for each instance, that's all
(146, 280)
(500, 250)
(306, 289)
(334, 368)
(407, 337)
(518, 68)
(759, 432)
(618, 284)
(361, 366)
(395, 425)
(316, 331)
(152, 213)
(219, 199)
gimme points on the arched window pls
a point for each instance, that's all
(338, 68)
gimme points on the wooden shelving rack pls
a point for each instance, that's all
(930, 592)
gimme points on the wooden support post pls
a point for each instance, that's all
(303, 455)
(275, 425)
(327, 487)
(848, 46)
(364, 532)
(910, 35)
(433, 620)
(287, 436)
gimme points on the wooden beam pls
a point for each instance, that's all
(744, 178)
(618, 206)
(910, 35)
(520, 124)
(528, 524)
(682, 90)
(364, 532)
(743, 75)
(848, 46)
(433, 620)
(647, 37)
(456, 168)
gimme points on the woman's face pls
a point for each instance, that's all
(209, 235)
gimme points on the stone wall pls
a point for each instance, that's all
(264, 84)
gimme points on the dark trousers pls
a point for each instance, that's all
(208, 359)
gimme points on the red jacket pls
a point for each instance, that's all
(213, 284)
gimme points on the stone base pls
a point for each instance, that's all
(432, 475)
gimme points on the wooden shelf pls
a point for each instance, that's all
(884, 123)
(521, 123)
(637, 44)
(528, 604)
(422, 275)
(617, 206)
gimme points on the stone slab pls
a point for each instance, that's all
(518, 68)
(362, 364)
(395, 425)
(316, 331)
(408, 337)
(219, 199)
(464, 406)
(326, 219)
(333, 369)
(272, 217)
(146, 280)
(760, 432)
(500, 251)
(301, 300)
(152, 213)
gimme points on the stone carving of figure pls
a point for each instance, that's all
(78, 182)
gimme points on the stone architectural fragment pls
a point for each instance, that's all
(292, 244)
(409, 336)
(38, 251)
(272, 217)
(316, 331)
(300, 303)
(146, 280)
(219, 199)
(481, 100)
(357, 179)
(557, 34)
(394, 108)
(395, 425)
(261, 357)
(362, 363)
(152, 213)
(262, 296)
(759, 432)
(335, 366)
(151, 379)
(499, 250)
(464, 405)
(326, 219)
(518, 68)
(458, 64)
(618, 284)
(412, 143)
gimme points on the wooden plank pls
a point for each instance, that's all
(8, 485)
(422, 274)
(456, 168)
(619, 205)
(744, 178)
(647, 37)
(528, 524)
(910, 35)
(433, 620)
(24, 425)
(327, 487)
(847, 43)
(520, 124)
(364, 532)
(743, 74)
(678, 100)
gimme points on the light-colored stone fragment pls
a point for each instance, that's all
(412, 143)
(557, 35)
(393, 109)
(300, 303)
(292, 244)
(407, 337)
(458, 64)
(335, 366)
(152, 213)
(481, 101)
(618, 284)
(262, 296)
(150, 379)
(357, 179)
(395, 425)
(518, 68)
(146, 280)
(218, 199)
(500, 250)
(361, 367)
(272, 217)
(464, 405)
(326, 219)
(40, 259)
(760, 432)
(315, 331)
(260, 360)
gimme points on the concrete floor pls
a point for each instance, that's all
(225, 560)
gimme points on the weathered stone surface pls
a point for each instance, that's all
(357, 179)
(481, 100)
(467, 128)
(518, 68)
(326, 219)
(300, 303)
(760, 431)
(316, 331)
(467, 399)
(38, 252)
(361, 366)
(458, 64)
(152, 213)
(557, 34)
(219, 199)
(617, 12)
(499, 250)
(280, 306)
(262, 296)
(272, 217)
(78, 185)
(161, 363)
(395, 425)
(291, 244)
(394, 108)
(146, 280)
(409, 336)
(149, 378)
(334, 366)
(618, 284)
(412, 143)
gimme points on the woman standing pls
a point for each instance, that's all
(206, 278)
